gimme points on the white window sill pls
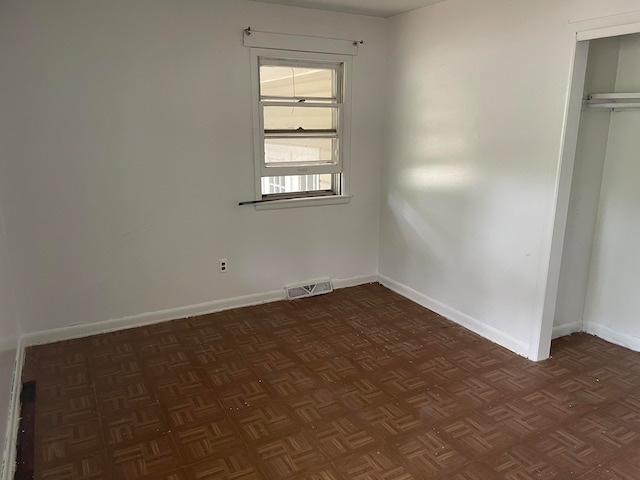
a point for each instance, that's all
(304, 202)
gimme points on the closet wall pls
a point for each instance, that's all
(599, 291)
(612, 308)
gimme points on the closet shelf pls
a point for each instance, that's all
(613, 101)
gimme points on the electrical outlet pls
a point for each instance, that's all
(222, 265)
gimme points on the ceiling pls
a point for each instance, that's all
(376, 8)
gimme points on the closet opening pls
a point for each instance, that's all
(593, 284)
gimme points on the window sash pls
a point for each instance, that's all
(337, 108)
(334, 189)
(337, 86)
(301, 168)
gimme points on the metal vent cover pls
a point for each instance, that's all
(309, 289)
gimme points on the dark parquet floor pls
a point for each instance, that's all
(358, 384)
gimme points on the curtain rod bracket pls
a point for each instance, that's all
(247, 31)
(358, 42)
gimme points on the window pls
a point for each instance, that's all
(301, 119)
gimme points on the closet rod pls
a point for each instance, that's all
(613, 96)
(613, 106)
(613, 101)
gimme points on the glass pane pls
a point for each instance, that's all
(299, 151)
(296, 82)
(308, 118)
(296, 183)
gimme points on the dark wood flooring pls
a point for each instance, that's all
(358, 384)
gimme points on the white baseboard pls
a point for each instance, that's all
(354, 281)
(105, 326)
(9, 454)
(456, 316)
(87, 329)
(566, 329)
(613, 336)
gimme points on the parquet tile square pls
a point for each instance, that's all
(474, 391)
(379, 463)
(194, 410)
(313, 351)
(126, 397)
(626, 466)
(357, 384)
(167, 364)
(93, 466)
(182, 384)
(429, 454)
(335, 369)
(110, 354)
(237, 465)
(129, 426)
(342, 437)
(290, 456)
(250, 344)
(151, 345)
(436, 404)
(199, 442)
(349, 341)
(603, 432)
(509, 380)
(65, 442)
(477, 435)
(392, 419)
(523, 462)
(67, 411)
(193, 337)
(476, 471)
(626, 411)
(265, 423)
(401, 380)
(570, 452)
(271, 361)
(361, 393)
(374, 359)
(229, 372)
(555, 402)
(319, 405)
(291, 382)
(65, 385)
(292, 335)
(439, 370)
(519, 418)
(245, 395)
(149, 458)
(326, 473)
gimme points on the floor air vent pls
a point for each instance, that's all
(310, 289)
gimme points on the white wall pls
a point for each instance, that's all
(9, 327)
(128, 144)
(613, 300)
(7, 366)
(9, 333)
(475, 125)
(590, 155)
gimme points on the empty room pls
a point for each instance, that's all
(319, 239)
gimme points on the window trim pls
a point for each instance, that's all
(304, 202)
(342, 170)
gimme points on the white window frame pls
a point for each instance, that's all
(340, 170)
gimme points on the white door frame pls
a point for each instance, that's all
(582, 32)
